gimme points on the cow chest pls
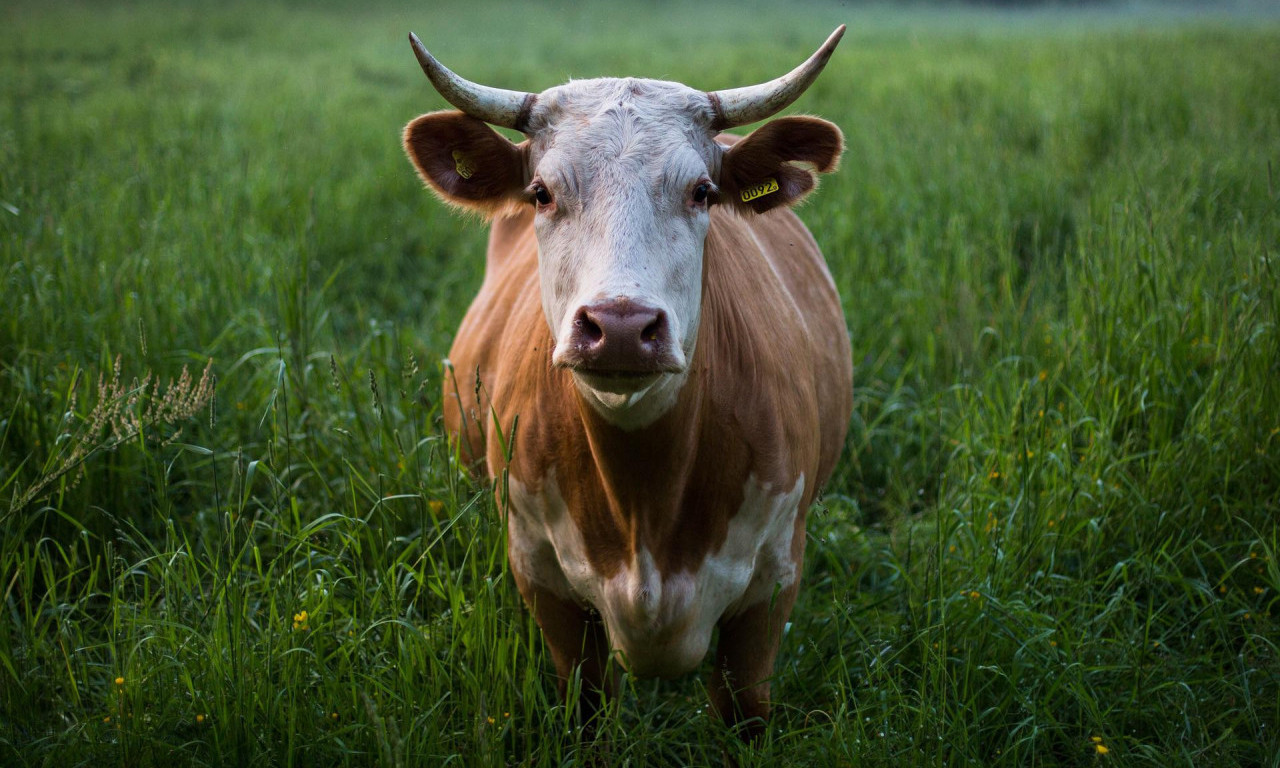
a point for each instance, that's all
(659, 624)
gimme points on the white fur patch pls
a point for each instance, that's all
(659, 626)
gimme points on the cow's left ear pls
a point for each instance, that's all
(778, 164)
(466, 162)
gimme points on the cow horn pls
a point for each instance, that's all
(740, 106)
(498, 106)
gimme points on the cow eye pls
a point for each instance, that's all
(541, 194)
(700, 192)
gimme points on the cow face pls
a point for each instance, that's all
(621, 183)
(621, 175)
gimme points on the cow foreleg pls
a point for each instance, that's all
(577, 642)
(748, 644)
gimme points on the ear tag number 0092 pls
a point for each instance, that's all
(766, 187)
(460, 164)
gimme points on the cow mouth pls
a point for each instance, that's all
(616, 381)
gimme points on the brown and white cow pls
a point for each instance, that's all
(669, 339)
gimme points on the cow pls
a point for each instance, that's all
(656, 372)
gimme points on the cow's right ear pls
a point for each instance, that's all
(466, 162)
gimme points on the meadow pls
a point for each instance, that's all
(1053, 536)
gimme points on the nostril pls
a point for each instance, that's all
(586, 329)
(653, 331)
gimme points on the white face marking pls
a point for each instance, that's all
(659, 626)
(620, 159)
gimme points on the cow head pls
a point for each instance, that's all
(621, 175)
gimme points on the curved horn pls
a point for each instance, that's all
(498, 106)
(740, 106)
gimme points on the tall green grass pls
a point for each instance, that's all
(1054, 530)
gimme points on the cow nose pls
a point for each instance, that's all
(621, 336)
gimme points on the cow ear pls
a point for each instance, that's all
(778, 164)
(466, 162)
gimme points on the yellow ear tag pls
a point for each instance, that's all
(766, 187)
(461, 165)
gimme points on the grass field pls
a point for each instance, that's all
(1052, 540)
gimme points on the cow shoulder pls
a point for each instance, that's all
(802, 270)
(755, 345)
(502, 307)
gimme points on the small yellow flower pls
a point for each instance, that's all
(1102, 748)
(199, 718)
(1031, 454)
(119, 681)
(1222, 589)
(300, 620)
(995, 475)
(333, 715)
(974, 595)
(435, 505)
(491, 720)
(106, 719)
(1258, 590)
(1042, 375)
(1053, 643)
(1096, 739)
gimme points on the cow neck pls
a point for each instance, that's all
(643, 472)
(664, 488)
